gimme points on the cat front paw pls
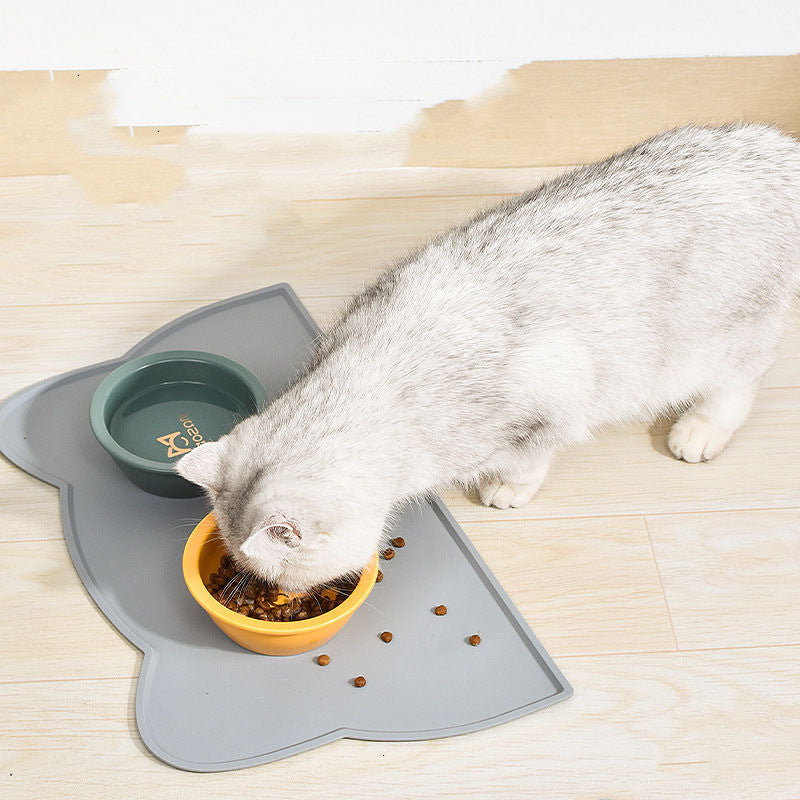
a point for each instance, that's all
(693, 439)
(507, 495)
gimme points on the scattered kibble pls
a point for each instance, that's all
(386, 636)
(399, 541)
(379, 577)
(474, 640)
(440, 611)
(388, 554)
(323, 660)
(360, 681)
(261, 601)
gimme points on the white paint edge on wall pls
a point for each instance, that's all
(292, 97)
(354, 66)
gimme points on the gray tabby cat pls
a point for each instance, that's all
(657, 280)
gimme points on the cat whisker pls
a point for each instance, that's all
(374, 608)
(231, 582)
(316, 600)
(239, 590)
(181, 526)
(247, 583)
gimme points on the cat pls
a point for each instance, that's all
(655, 281)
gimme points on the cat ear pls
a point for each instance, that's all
(270, 538)
(203, 465)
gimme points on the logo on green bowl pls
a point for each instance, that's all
(188, 438)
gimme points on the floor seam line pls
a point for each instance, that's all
(661, 583)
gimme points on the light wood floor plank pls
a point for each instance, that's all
(585, 586)
(731, 578)
(198, 244)
(51, 627)
(28, 507)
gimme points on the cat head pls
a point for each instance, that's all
(284, 516)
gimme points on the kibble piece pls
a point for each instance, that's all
(360, 681)
(399, 541)
(474, 640)
(388, 554)
(379, 577)
(440, 611)
(386, 636)
(323, 660)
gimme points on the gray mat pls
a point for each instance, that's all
(205, 704)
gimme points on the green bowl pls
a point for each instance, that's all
(152, 410)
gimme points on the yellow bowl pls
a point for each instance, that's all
(201, 557)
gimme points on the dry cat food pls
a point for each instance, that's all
(386, 636)
(379, 577)
(474, 640)
(440, 611)
(250, 597)
(399, 541)
(388, 554)
(360, 681)
(323, 660)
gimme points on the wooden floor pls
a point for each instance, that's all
(668, 593)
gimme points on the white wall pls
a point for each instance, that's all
(352, 65)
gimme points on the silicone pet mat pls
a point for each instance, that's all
(205, 704)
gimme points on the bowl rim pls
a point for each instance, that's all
(102, 393)
(198, 539)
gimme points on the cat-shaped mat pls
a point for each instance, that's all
(205, 704)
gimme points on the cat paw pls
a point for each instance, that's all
(694, 439)
(507, 495)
